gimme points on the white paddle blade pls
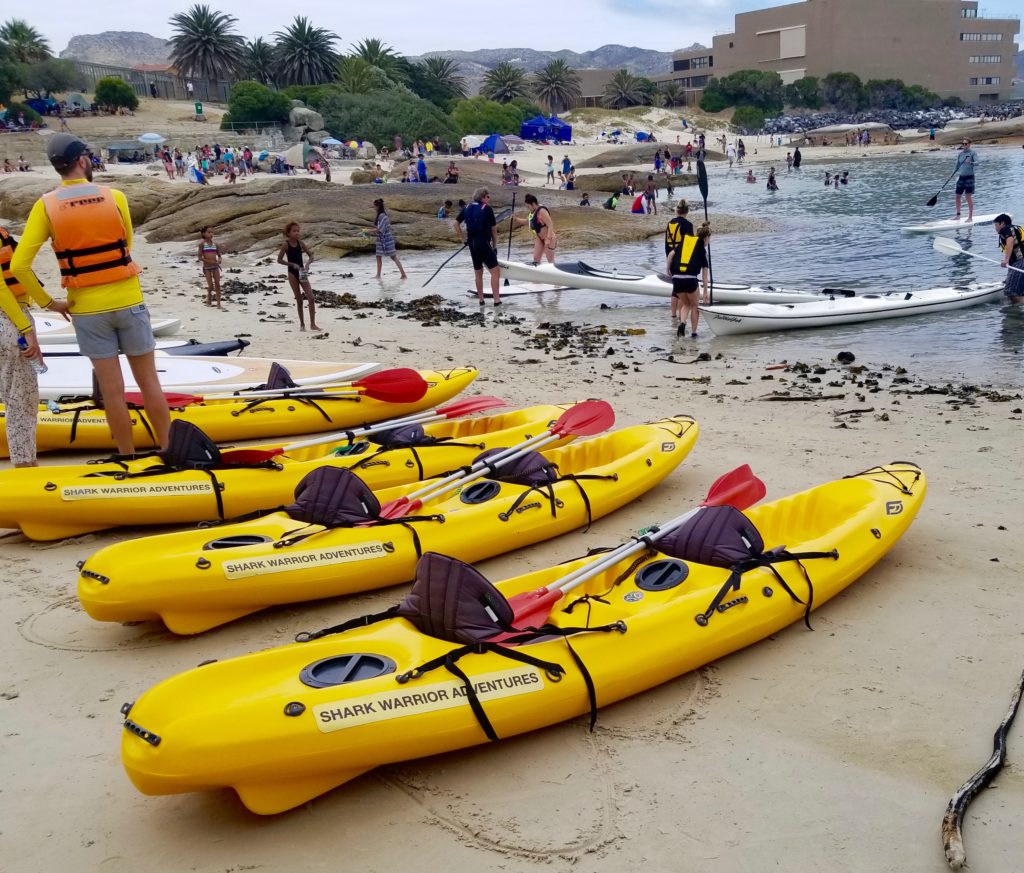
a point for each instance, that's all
(946, 246)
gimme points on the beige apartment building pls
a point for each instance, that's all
(947, 46)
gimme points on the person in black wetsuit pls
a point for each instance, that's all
(482, 238)
(290, 254)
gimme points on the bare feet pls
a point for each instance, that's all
(314, 327)
(404, 276)
(302, 327)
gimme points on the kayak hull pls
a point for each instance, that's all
(192, 586)
(579, 275)
(262, 725)
(762, 317)
(80, 426)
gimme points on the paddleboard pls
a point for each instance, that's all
(163, 348)
(522, 288)
(947, 224)
(72, 377)
(57, 330)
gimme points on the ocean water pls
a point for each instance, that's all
(847, 238)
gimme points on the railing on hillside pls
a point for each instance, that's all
(169, 85)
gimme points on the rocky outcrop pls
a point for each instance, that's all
(120, 48)
(304, 117)
(641, 154)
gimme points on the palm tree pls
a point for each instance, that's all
(305, 54)
(259, 61)
(505, 83)
(623, 90)
(444, 73)
(205, 44)
(356, 76)
(557, 85)
(673, 93)
(381, 56)
(25, 43)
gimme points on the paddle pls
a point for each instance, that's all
(946, 246)
(583, 419)
(398, 385)
(497, 220)
(935, 197)
(739, 488)
(511, 224)
(702, 184)
(453, 410)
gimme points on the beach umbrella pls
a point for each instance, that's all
(151, 138)
(330, 141)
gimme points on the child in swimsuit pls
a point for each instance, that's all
(209, 257)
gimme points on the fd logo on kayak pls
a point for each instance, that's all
(894, 507)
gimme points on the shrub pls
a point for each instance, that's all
(480, 115)
(113, 93)
(803, 92)
(312, 95)
(30, 114)
(748, 118)
(381, 116)
(251, 102)
(713, 98)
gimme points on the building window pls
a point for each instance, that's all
(981, 37)
(698, 63)
(698, 81)
(986, 59)
(983, 80)
(968, 13)
(730, 45)
(680, 65)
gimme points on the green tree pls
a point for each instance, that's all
(844, 91)
(252, 102)
(258, 62)
(714, 98)
(803, 92)
(14, 109)
(504, 83)
(113, 93)
(10, 74)
(673, 93)
(444, 74)
(25, 43)
(749, 119)
(356, 76)
(527, 108)
(557, 85)
(43, 78)
(381, 56)
(884, 93)
(312, 95)
(305, 54)
(623, 90)
(919, 97)
(204, 43)
(381, 116)
(480, 115)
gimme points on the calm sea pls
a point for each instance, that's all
(847, 238)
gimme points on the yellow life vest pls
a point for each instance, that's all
(89, 236)
(683, 253)
(674, 233)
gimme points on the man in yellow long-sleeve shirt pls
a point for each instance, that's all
(91, 230)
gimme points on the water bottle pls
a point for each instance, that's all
(36, 363)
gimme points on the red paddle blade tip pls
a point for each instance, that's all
(401, 385)
(739, 488)
(585, 419)
(399, 508)
(470, 404)
(530, 609)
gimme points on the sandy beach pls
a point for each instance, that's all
(836, 749)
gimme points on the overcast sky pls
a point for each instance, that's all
(416, 27)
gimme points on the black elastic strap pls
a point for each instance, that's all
(362, 621)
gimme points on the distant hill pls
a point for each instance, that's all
(121, 48)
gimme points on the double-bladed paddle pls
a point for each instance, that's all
(739, 488)
(702, 184)
(583, 419)
(946, 246)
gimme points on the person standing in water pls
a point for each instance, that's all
(291, 255)
(685, 263)
(540, 222)
(772, 185)
(965, 164)
(386, 247)
(1011, 243)
(209, 257)
(481, 236)
(797, 158)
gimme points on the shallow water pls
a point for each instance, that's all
(847, 238)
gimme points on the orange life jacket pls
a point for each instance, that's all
(89, 237)
(7, 247)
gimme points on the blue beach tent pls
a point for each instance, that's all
(534, 128)
(558, 129)
(493, 143)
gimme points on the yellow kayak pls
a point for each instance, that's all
(81, 426)
(285, 725)
(195, 580)
(49, 503)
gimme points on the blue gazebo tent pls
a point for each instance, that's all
(641, 136)
(493, 143)
(534, 128)
(558, 129)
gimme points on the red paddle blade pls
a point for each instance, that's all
(469, 405)
(250, 456)
(585, 419)
(401, 385)
(529, 609)
(739, 488)
(174, 399)
(399, 508)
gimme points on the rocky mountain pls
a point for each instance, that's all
(122, 48)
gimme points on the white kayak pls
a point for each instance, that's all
(763, 317)
(947, 224)
(580, 275)
(521, 288)
(72, 376)
(57, 330)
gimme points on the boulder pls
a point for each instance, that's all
(301, 116)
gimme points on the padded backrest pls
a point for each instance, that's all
(333, 497)
(530, 468)
(717, 535)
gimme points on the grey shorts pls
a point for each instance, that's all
(965, 185)
(120, 332)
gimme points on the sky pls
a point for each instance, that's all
(413, 27)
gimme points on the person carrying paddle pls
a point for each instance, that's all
(684, 264)
(1011, 242)
(540, 222)
(965, 164)
(90, 229)
(482, 238)
(678, 227)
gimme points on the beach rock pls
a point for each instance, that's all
(641, 154)
(18, 194)
(611, 182)
(302, 116)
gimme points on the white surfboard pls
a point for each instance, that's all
(50, 329)
(947, 224)
(198, 375)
